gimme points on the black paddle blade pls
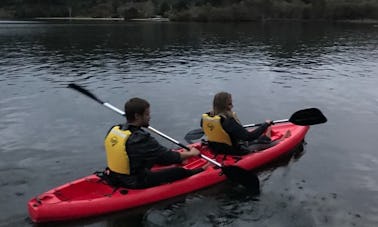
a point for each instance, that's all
(246, 178)
(194, 135)
(84, 91)
(311, 116)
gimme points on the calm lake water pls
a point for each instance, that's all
(51, 135)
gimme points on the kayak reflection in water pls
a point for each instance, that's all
(226, 135)
(131, 152)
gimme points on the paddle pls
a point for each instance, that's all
(246, 178)
(310, 116)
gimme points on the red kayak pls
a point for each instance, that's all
(89, 196)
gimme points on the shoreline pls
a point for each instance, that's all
(159, 19)
(81, 18)
(360, 21)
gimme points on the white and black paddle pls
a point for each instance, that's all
(310, 116)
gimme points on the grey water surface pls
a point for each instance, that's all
(50, 135)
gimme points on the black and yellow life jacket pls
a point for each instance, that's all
(115, 147)
(212, 126)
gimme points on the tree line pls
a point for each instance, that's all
(194, 10)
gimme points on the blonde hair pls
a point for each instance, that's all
(221, 103)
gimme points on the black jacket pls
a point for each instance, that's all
(238, 135)
(144, 151)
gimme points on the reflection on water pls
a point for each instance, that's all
(230, 204)
(121, 52)
(227, 203)
(51, 135)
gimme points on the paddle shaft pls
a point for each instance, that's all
(115, 109)
(182, 145)
(198, 133)
(274, 122)
(309, 116)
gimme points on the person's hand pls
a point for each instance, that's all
(194, 151)
(188, 154)
(269, 122)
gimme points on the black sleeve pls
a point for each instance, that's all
(143, 149)
(236, 131)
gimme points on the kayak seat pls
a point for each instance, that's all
(104, 178)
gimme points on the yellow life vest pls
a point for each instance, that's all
(213, 129)
(115, 147)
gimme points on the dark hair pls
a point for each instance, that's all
(220, 102)
(135, 106)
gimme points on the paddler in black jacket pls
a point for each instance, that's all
(131, 152)
(226, 135)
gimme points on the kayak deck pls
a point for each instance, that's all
(89, 196)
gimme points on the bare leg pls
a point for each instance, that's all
(287, 134)
(268, 132)
(206, 165)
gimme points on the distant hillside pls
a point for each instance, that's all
(194, 10)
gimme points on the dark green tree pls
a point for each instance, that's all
(131, 13)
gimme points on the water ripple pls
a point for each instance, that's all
(47, 131)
